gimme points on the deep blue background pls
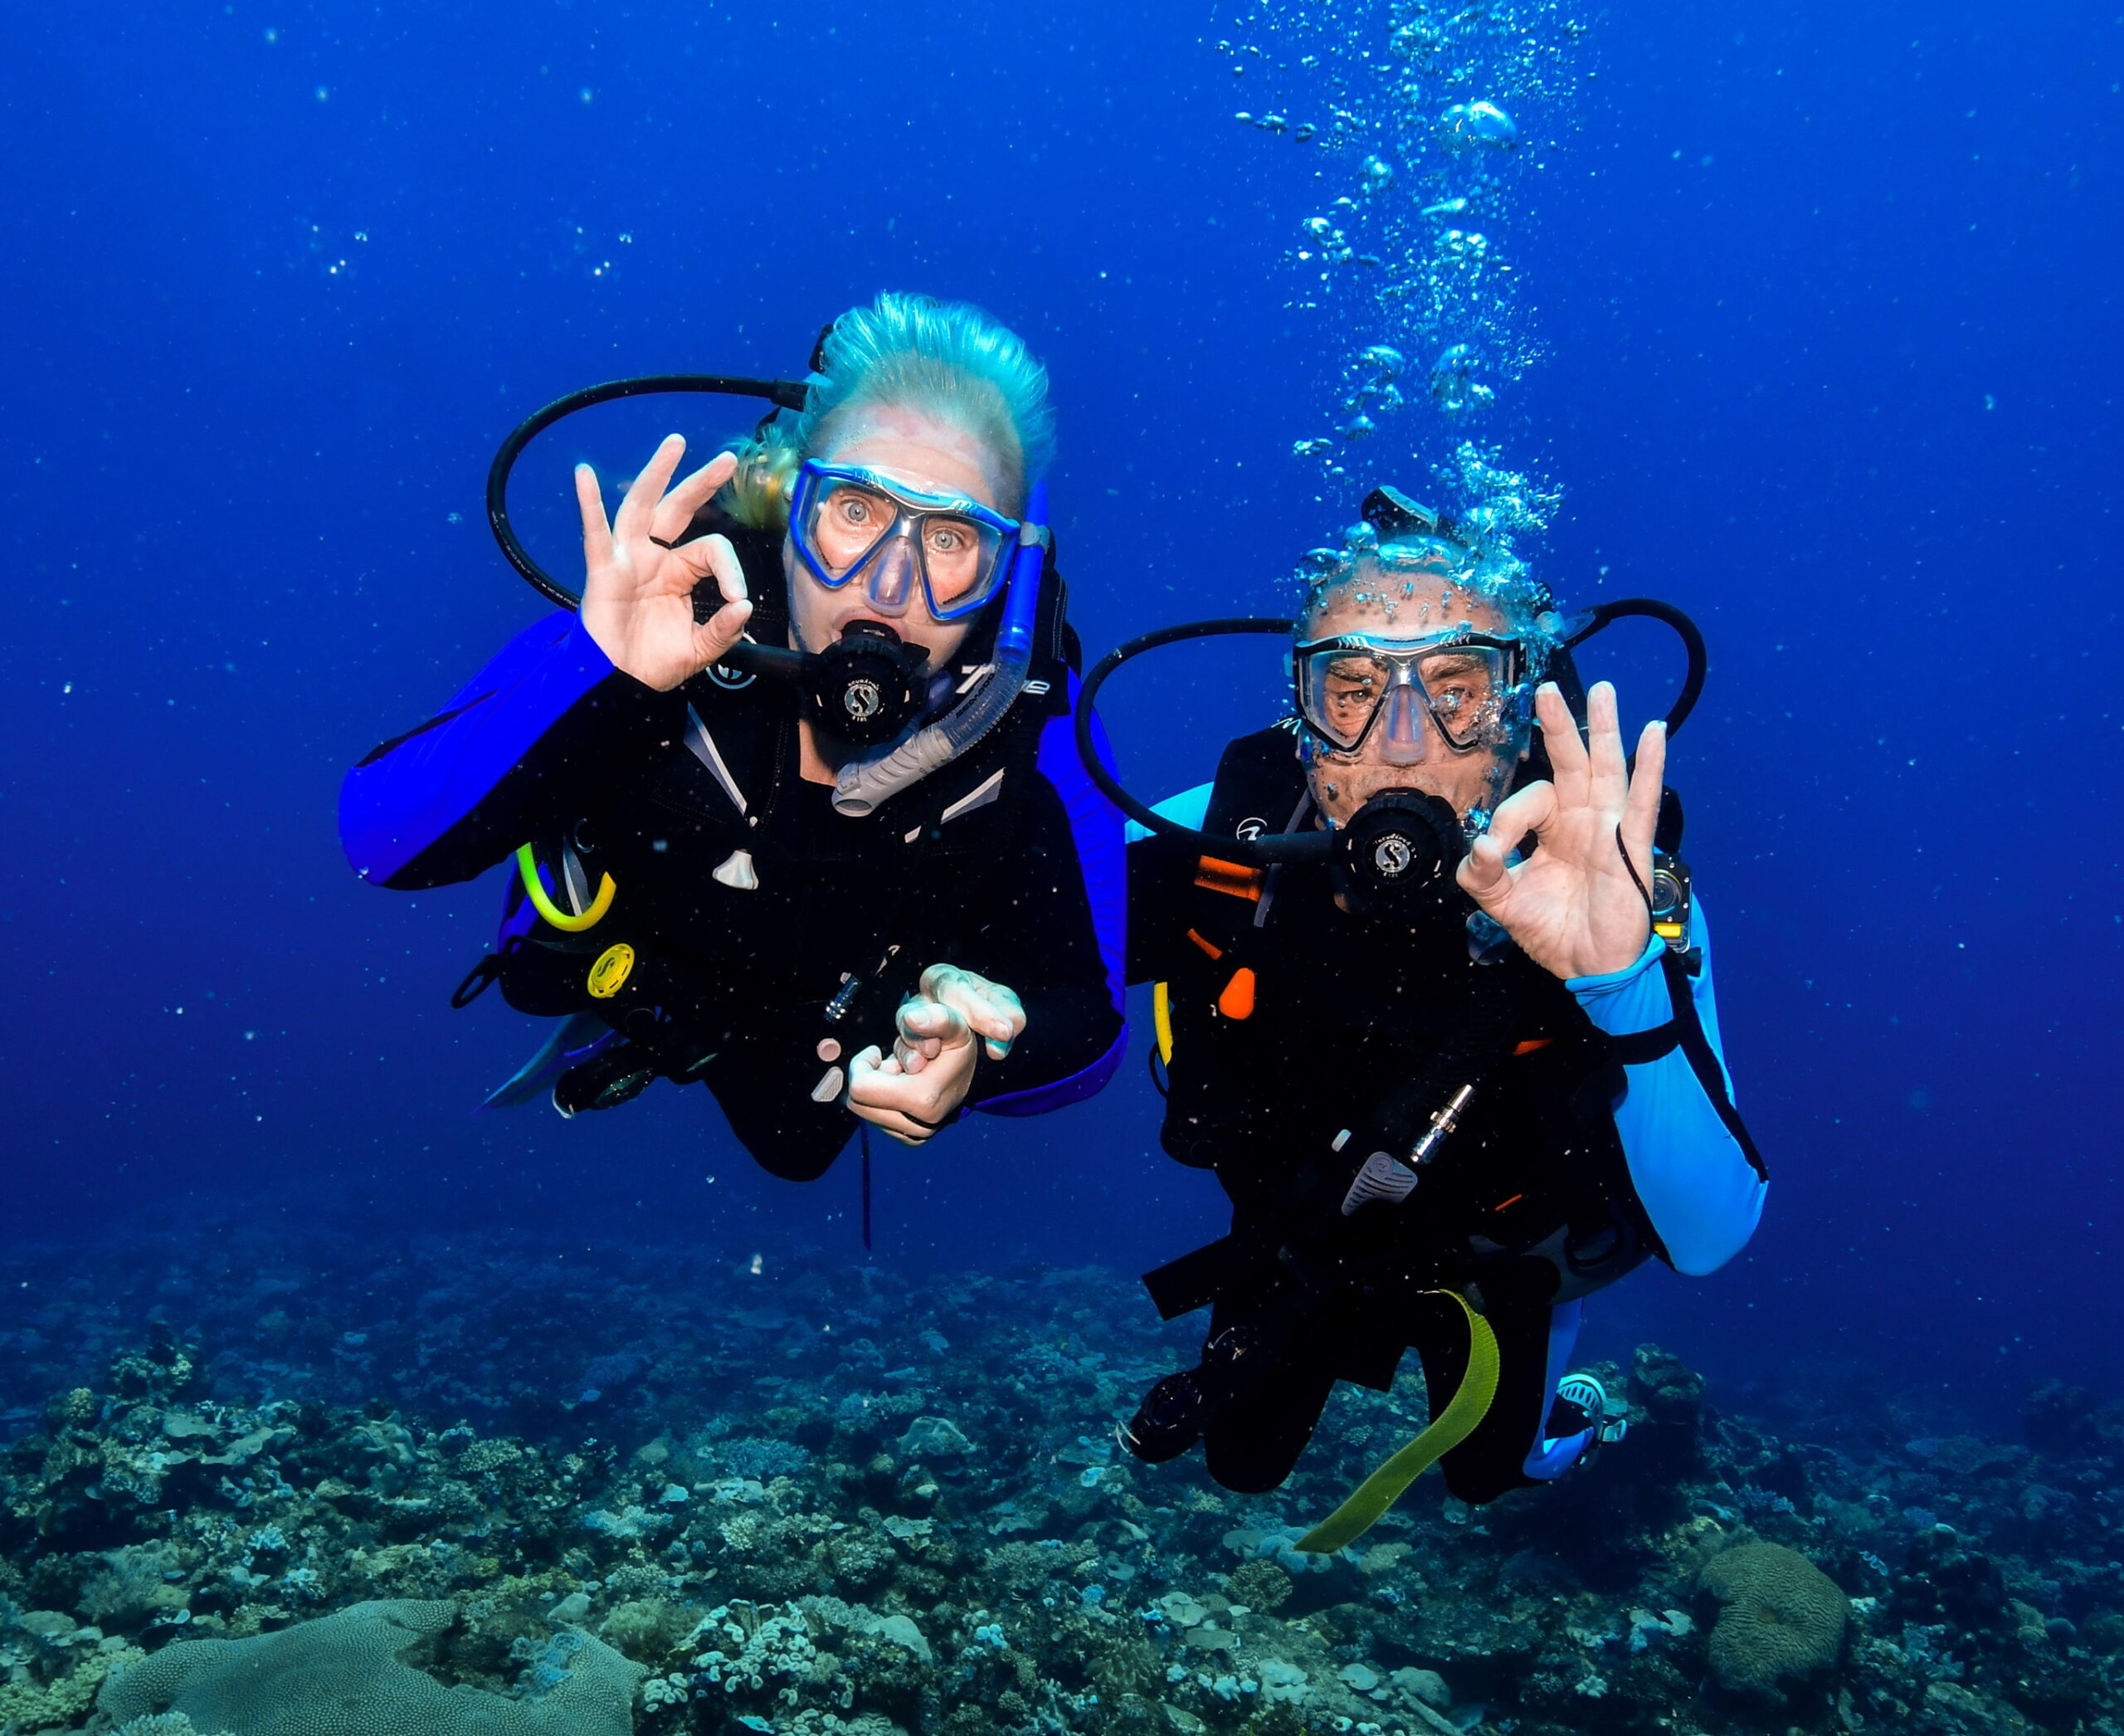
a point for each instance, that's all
(1834, 362)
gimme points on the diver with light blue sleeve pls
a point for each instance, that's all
(1433, 1004)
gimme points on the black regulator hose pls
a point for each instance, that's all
(783, 394)
(1141, 813)
(1606, 614)
(1319, 846)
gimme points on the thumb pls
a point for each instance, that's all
(713, 556)
(1483, 874)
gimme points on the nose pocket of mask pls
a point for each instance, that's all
(1401, 728)
(889, 584)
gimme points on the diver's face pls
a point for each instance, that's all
(1420, 758)
(925, 454)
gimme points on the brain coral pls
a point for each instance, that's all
(341, 1675)
(1782, 1617)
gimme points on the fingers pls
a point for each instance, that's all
(881, 1092)
(713, 638)
(1641, 811)
(990, 1008)
(638, 508)
(1567, 760)
(675, 511)
(1484, 876)
(597, 533)
(1607, 775)
(1528, 810)
(925, 1027)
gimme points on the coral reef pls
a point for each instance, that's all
(474, 1488)
(1782, 1618)
(342, 1675)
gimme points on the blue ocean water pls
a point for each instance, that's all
(1826, 345)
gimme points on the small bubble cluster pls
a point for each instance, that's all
(1428, 119)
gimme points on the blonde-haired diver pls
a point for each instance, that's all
(873, 887)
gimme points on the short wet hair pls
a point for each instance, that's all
(946, 359)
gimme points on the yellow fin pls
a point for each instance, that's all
(1379, 1491)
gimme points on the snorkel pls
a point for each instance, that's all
(865, 784)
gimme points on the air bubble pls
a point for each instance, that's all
(1479, 124)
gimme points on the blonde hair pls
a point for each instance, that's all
(946, 359)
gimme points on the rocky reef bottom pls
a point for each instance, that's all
(469, 1485)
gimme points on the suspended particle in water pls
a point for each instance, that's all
(1468, 125)
(1378, 175)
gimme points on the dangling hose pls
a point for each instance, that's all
(534, 889)
(1380, 1490)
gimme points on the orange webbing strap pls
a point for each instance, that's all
(1213, 874)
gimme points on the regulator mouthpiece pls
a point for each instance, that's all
(1397, 856)
(867, 686)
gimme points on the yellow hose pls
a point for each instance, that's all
(1161, 1020)
(1380, 1490)
(534, 889)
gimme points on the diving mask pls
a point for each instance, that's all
(1357, 686)
(846, 522)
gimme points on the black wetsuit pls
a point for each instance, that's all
(1305, 1038)
(984, 865)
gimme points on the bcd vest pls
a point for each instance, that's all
(1292, 1023)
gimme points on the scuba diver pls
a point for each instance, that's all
(790, 797)
(1435, 1006)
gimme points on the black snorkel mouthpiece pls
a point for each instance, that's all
(1397, 858)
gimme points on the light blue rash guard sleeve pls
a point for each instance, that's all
(1696, 1185)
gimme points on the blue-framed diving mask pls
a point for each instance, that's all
(848, 522)
(1469, 685)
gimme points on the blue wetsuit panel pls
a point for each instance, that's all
(1697, 1188)
(431, 807)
